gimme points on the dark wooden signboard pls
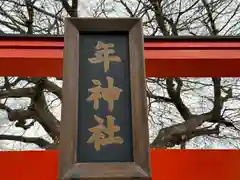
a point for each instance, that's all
(104, 99)
(104, 126)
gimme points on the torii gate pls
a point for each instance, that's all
(39, 56)
(165, 56)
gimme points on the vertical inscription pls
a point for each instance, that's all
(104, 104)
(104, 135)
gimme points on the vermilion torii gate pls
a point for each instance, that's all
(39, 56)
(165, 56)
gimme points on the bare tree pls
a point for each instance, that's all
(172, 119)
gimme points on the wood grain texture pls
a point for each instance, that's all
(138, 99)
(106, 171)
(140, 167)
(103, 24)
(69, 103)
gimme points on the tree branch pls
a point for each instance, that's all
(159, 98)
(217, 98)
(42, 143)
(180, 133)
(72, 11)
(38, 110)
(52, 87)
(45, 117)
(157, 8)
(47, 13)
(214, 31)
(29, 21)
(20, 116)
(177, 100)
(17, 93)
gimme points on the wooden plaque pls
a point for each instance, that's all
(104, 125)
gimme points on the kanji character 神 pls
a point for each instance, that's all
(109, 94)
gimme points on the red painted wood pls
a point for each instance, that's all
(43, 57)
(165, 165)
(29, 165)
(191, 44)
(195, 164)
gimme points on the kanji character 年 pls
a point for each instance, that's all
(109, 94)
(103, 135)
(103, 54)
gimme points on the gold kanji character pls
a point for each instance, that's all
(103, 135)
(103, 54)
(109, 94)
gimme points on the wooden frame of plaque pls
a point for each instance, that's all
(133, 161)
